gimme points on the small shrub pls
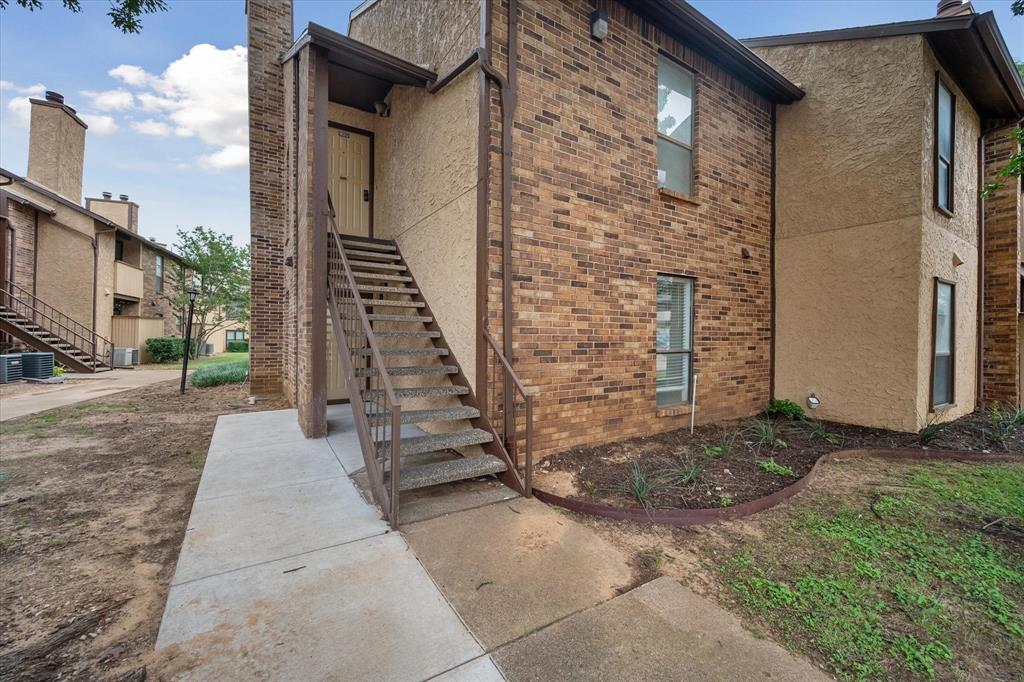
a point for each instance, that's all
(58, 371)
(766, 434)
(773, 467)
(165, 348)
(238, 347)
(930, 432)
(725, 500)
(682, 475)
(785, 408)
(640, 484)
(215, 375)
(816, 429)
(1003, 424)
(723, 448)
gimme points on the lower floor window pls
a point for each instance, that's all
(238, 335)
(943, 344)
(674, 343)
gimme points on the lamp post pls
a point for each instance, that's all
(192, 293)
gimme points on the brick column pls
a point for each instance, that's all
(269, 36)
(1003, 211)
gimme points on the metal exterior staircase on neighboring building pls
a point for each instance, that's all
(386, 332)
(35, 323)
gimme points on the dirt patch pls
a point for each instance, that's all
(94, 499)
(728, 464)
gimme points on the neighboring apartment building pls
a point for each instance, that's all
(76, 280)
(898, 290)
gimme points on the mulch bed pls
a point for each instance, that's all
(682, 475)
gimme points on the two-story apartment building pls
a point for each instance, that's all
(77, 280)
(899, 287)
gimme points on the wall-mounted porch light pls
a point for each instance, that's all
(599, 24)
(382, 108)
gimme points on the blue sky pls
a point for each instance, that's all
(168, 126)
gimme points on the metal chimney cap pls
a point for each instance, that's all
(107, 195)
(123, 197)
(944, 8)
(55, 97)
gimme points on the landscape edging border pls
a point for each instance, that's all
(701, 517)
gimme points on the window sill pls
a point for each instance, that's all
(944, 211)
(674, 410)
(937, 409)
(678, 196)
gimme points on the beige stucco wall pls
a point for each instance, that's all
(424, 198)
(858, 243)
(424, 32)
(64, 270)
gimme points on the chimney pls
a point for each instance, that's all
(953, 8)
(56, 146)
(120, 211)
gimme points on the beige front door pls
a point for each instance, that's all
(349, 170)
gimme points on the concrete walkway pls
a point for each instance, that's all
(80, 387)
(287, 573)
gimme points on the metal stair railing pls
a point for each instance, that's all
(28, 306)
(378, 420)
(505, 418)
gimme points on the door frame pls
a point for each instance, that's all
(368, 134)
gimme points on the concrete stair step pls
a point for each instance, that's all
(369, 246)
(377, 266)
(376, 317)
(434, 442)
(418, 392)
(375, 289)
(408, 371)
(381, 276)
(357, 253)
(444, 414)
(426, 475)
(389, 303)
(421, 352)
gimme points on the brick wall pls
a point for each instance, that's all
(591, 231)
(269, 35)
(153, 303)
(23, 220)
(1003, 217)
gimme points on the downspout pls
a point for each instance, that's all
(979, 369)
(483, 199)
(507, 89)
(771, 267)
(295, 222)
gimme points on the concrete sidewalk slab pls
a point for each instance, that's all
(308, 460)
(361, 611)
(512, 567)
(659, 631)
(232, 532)
(479, 670)
(76, 389)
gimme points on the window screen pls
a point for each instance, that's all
(675, 127)
(674, 344)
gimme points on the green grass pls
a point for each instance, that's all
(213, 360)
(900, 586)
(223, 373)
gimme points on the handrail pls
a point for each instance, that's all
(79, 335)
(371, 425)
(509, 418)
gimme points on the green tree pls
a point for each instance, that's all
(219, 269)
(125, 15)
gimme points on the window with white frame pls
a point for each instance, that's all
(159, 273)
(674, 343)
(237, 335)
(675, 126)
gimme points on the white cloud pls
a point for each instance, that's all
(37, 90)
(201, 94)
(131, 75)
(6, 85)
(99, 124)
(110, 100)
(21, 110)
(232, 156)
(152, 127)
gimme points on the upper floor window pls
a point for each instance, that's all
(945, 141)
(675, 126)
(159, 273)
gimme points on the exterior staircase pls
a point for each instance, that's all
(39, 325)
(401, 371)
